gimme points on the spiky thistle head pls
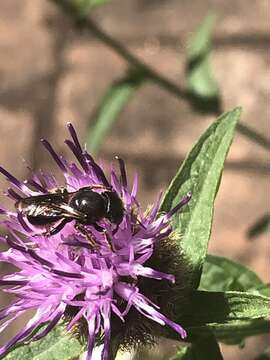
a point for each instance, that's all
(113, 284)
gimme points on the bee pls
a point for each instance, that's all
(86, 206)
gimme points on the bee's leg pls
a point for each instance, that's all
(115, 230)
(87, 234)
(55, 229)
(98, 228)
(109, 240)
(141, 224)
(102, 187)
(61, 190)
(107, 236)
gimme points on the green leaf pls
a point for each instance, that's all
(200, 81)
(204, 348)
(79, 9)
(93, 3)
(261, 226)
(221, 274)
(200, 40)
(219, 307)
(265, 356)
(232, 331)
(111, 105)
(183, 353)
(200, 173)
(230, 316)
(85, 6)
(264, 290)
(57, 345)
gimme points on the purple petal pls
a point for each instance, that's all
(23, 223)
(54, 155)
(154, 211)
(183, 202)
(76, 319)
(122, 171)
(91, 336)
(75, 171)
(99, 172)
(106, 314)
(37, 186)
(79, 243)
(15, 307)
(67, 274)
(78, 154)
(13, 195)
(14, 245)
(48, 180)
(20, 336)
(56, 316)
(43, 261)
(15, 181)
(8, 322)
(74, 136)
(115, 182)
(135, 186)
(13, 282)
(148, 272)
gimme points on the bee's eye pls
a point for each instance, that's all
(90, 203)
(115, 211)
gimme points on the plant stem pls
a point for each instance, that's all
(136, 62)
(254, 135)
(88, 24)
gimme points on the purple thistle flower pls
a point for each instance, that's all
(63, 276)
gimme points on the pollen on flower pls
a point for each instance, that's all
(83, 249)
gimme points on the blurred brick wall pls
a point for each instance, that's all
(50, 75)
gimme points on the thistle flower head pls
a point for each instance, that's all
(94, 269)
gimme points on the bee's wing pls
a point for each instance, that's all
(53, 210)
(47, 206)
(68, 212)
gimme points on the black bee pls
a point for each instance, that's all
(85, 206)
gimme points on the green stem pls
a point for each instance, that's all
(136, 62)
(253, 135)
(87, 23)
